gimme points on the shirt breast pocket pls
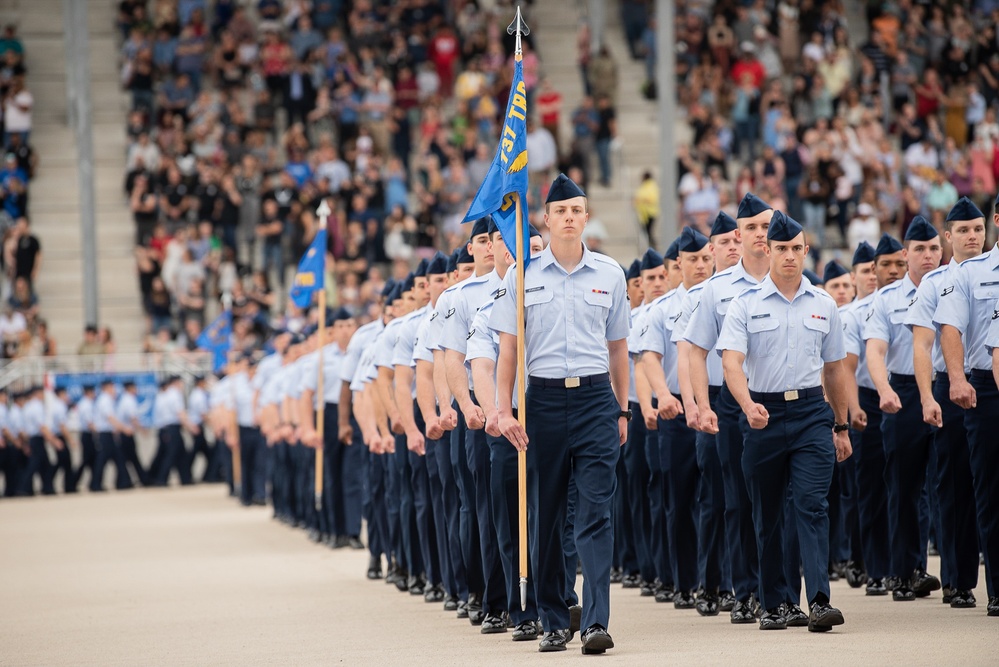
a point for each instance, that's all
(815, 331)
(539, 315)
(597, 307)
(985, 298)
(763, 336)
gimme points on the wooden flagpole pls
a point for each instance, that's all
(323, 212)
(237, 462)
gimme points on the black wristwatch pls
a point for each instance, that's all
(839, 428)
(626, 414)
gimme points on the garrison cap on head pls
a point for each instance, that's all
(337, 315)
(833, 271)
(128, 384)
(863, 254)
(387, 288)
(651, 260)
(633, 271)
(813, 278)
(198, 378)
(563, 188)
(409, 283)
(783, 228)
(106, 381)
(887, 246)
(752, 205)
(395, 294)
(492, 226)
(964, 209)
(312, 328)
(724, 223)
(533, 231)
(921, 230)
(88, 387)
(437, 264)
(691, 240)
(465, 257)
(673, 251)
(480, 226)
(452, 261)
(421, 269)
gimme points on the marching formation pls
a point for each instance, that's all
(708, 427)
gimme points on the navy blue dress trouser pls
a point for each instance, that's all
(981, 424)
(740, 534)
(713, 565)
(684, 477)
(872, 496)
(477, 453)
(636, 495)
(468, 525)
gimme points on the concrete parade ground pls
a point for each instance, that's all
(185, 576)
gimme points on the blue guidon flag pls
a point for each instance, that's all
(508, 173)
(215, 339)
(311, 271)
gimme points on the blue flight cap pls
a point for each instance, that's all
(421, 269)
(337, 315)
(752, 205)
(464, 257)
(492, 226)
(387, 288)
(724, 223)
(691, 240)
(813, 278)
(312, 328)
(783, 227)
(863, 254)
(673, 251)
(480, 226)
(395, 294)
(297, 339)
(887, 246)
(409, 283)
(964, 209)
(833, 271)
(563, 188)
(921, 230)
(437, 264)
(452, 261)
(88, 387)
(650, 260)
(534, 231)
(633, 271)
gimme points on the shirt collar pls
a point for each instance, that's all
(547, 258)
(994, 257)
(769, 288)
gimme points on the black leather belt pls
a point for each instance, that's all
(898, 378)
(980, 374)
(785, 396)
(569, 383)
(714, 391)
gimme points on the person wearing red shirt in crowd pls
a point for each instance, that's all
(549, 109)
(443, 52)
(748, 64)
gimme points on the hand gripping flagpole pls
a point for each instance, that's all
(324, 213)
(519, 28)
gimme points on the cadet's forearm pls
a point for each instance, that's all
(404, 397)
(652, 364)
(683, 372)
(440, 380)
(306, 413)
(425, 397)
(383, 387)
(922, 361)
(953, 352)
(642, 387)
(619, 371)
(483, 377)
(876, 351)
(377, 410)
(836, 390)
(697, 367)
(506, 373)
(345, 407)
(457, 378)
(850, 364)
(735, 379)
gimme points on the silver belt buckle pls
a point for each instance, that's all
(571, 383)
(791, 395)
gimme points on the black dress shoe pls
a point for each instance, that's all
(355, 542)
(963, 600)
(596, 640)
(402, 580)
(631, 581)
(575, 616)
(417, 585)
(923, 583)
(451, 604)
(993, 607)
(726, 601)
(475, 613)
(903, 594)
(314, 535)
(493, 624)
(824, 617)
(855, 575)
(773, 619)
(833, 573)
(461, 609)
(553, 641)
(743, 612)
(340, 541)
(374, 568)
(616, 575)
(665, 593)
(434, 594)
(794, 617)
(707, 604)
(876, 587)
(684, 600)
(526, 631)
(947, 594)
(646, 590)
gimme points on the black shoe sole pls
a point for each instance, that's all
(597, 645)
(743, 620)
(491, 631)
(826, 623)
(551, 649)
(705, 611)
(797, 623)
(523, 637)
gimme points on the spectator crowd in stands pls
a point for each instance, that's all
(246, 115)
(22, 330)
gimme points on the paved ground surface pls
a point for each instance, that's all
(187, 577)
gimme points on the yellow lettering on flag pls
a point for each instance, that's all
(305, 279)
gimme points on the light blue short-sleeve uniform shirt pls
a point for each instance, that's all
(992, 336)
(885, 321)
(483, 342)
(358, 343)
(969, 303)
(103, 412)
(785, 342)
(921, 312)
(719, 291)
(853, 316)
(634, 349)
(658, 337)
(127, 409)
(690, 303)
(421, 351)
(33, 417)
(570, 316)
(197, 405)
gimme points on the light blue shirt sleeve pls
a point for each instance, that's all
(992, 337)
(968, 305)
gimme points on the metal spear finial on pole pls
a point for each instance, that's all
(518, 28)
